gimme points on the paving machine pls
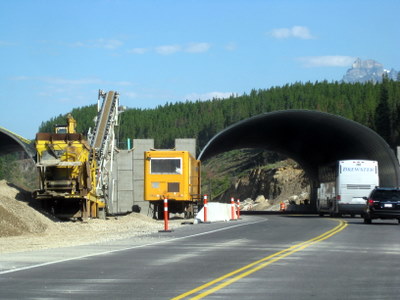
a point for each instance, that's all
(67, 173)
(73, 172)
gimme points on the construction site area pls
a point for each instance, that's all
(25, 227)
(83, 176)
(89, 190)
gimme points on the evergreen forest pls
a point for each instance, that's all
(375, 105)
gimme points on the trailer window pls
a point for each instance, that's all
(166, 166)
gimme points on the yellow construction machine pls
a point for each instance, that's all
(67, 173)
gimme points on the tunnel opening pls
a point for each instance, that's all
(18, 168)
(312, 139)
(17, 164)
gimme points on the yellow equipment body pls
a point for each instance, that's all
(172, 175)
(67, 171)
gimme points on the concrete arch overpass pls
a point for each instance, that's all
(311, 138)
(11, 142)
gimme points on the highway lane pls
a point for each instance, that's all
(282, 257)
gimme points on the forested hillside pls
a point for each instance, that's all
(375, 105)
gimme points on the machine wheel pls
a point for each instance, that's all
(367, 220)
(321, 214)
(188, 214)
(101, 213)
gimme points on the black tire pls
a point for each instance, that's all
(321, 214)
(367, 221)
(160, 211)
(187, 214)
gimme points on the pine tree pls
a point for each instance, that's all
(382, 112)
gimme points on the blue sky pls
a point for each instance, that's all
(57, 54)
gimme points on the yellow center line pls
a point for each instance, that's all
(259, 264)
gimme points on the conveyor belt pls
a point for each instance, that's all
(102, 122)
(103, 142)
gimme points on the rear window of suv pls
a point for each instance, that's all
(386, 195)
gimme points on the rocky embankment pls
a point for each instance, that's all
(265, 189)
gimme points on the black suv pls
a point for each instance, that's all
(382, 203)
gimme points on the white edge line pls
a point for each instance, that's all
(124, 249)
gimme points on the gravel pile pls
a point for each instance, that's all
(23, 228)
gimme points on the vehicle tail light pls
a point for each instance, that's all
(370, 202)
(338, 197)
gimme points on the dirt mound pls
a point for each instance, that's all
(16, 216)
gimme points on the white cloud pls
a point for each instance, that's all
(78, 44)
(72, 82)
(230, 46)
(280, 33)
(138, 50)
(208, 96)
(197, 47)
(63, 81)
(20, 78)
(299, 32)
(5, 43)
(124, 83)
(110, 44)
(129, 95)
(327, 61)
(168, 49)
(172, 49)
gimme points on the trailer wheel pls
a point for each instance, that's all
(160, 211)
(189, 211)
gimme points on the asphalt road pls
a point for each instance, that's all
(258, 257)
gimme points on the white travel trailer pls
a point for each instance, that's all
(343, 185)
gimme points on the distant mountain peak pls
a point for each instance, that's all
(367, 70)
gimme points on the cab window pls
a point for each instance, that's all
(166, 166)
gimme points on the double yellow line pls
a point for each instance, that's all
(227, 279)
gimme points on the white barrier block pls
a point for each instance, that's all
(216, 212)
